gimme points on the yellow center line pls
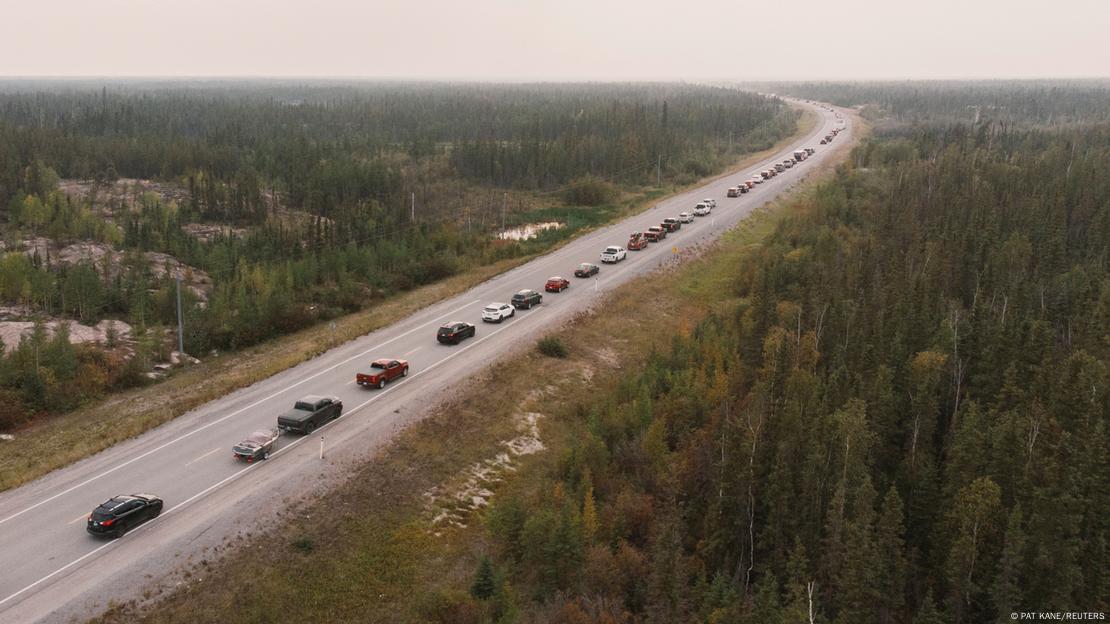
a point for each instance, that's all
(79, 518)
(203, 456)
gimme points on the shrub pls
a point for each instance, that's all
(590, 191)
(552, 347)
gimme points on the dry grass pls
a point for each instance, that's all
(377, 557)
(56, 442)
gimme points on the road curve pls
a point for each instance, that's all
(51, 570)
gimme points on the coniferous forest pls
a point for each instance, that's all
(328, 197)
(901, 418)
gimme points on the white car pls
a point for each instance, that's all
(685, 217)
(613, 254)
(497, 312)
(757, 179)
(712, 203)
(701, 210)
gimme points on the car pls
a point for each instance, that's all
(613, 254)
(823, 141)
(637, 241)
(671, 224)
(258, 445)
(497, 312)
(556, 284)
(525, 299)
(744, 188)
(757, 179)
(712, 203)
(310, 412)
(655, 233)
(383, 371)
(701, 210)
(455, 332)
(733, 192)
(586, 269)
(120, 514)
(685, 217)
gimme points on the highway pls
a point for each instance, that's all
(52, 570)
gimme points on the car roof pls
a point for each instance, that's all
(525, 291)
(554, 277)
(310, 398)
(384, 361)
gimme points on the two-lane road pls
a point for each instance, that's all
(51, 569)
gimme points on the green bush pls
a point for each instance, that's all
(552, 347)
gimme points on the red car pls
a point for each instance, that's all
(382, 372)
(637, 241)
(655, 234)
(556, 284)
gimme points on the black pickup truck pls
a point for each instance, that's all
(309, 413)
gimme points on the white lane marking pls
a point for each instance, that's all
(377, 395)
(414, 350)
(59, 570)
(202, 456)
(84, 516)
(235, 413)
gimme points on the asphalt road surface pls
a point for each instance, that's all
(52, 570)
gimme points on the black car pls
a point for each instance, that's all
(455, 332)
(526, 298)
(586, 269)
(120, 514)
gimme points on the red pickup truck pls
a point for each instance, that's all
(382, 372)
(637, 241)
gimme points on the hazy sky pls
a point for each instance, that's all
(557, 39)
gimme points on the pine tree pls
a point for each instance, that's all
(485, 582)
(1006, 593)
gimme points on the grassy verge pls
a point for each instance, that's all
(380, 555)
(59, 441)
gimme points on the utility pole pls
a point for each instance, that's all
(413, 214)
(180, 321)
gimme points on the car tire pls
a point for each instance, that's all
(381, 383)
(405, 370)
(266, 455)
(309, 428)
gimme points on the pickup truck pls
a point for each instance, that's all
(613, 254)
(309, 413)
(655, 234)
(382, 372)
(637, 241)
(733, 192)
(671, 224)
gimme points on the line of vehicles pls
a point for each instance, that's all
(119, 514)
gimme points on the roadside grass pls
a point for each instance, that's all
(58, 441)
(376, 555)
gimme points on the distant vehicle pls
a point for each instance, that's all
(810, 151)
(671, 224)
(636, 241)
(755, 180)
(765, 174)
(745, 187)
(800, 155)
(701, 210)
(120, 514)
(526, 298)
(258, 445)
(789, 163)
(779, 167)
(733, 192)
(712, 203)
(823, 141)
(685, 217)
(455, 332)
(586, 269)
(656, 233)
(497, 312)
(309, 413)
(382, 372)
(613, 254)
(556, 284)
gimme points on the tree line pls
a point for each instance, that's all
(902, 418)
